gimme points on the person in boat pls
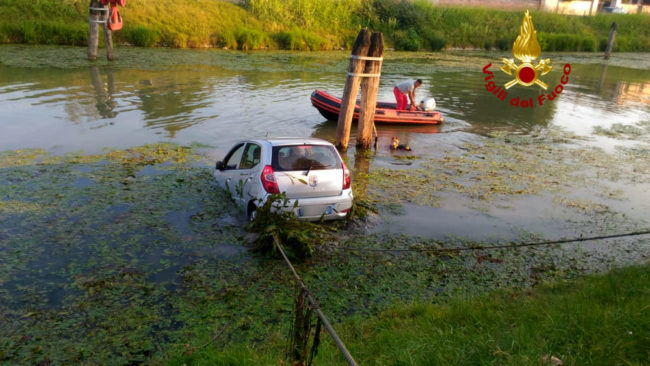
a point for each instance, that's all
(404, 89)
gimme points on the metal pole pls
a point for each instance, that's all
(322, 317)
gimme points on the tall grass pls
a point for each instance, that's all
(316, 25)
(598, 320)
(414, 25)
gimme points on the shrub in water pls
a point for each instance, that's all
(299, 40)
(589, 44)
(297, 237)
(437, 43)
(434, 40)
(250, 39)
(142, 36)
(227, 39)
(503, 44)
(178, 40)
(28, 32)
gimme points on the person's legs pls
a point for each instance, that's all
(400, 98)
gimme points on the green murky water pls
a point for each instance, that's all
(123, 253)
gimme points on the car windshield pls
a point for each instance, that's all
(305, 157)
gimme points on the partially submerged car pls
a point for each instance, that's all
(309, 171)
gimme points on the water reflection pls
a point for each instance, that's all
(633, 93)
(220, 97)
(174, 102)
(104, 94)
(466, 99)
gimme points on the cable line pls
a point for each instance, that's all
(503, 246)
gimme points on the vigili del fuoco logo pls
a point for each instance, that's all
(526, 49)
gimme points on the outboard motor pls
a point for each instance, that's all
(427, 104)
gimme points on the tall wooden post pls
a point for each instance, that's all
(610, 42)
(369, 87)
(108, 38)
(93, 36)
(99, 14)
(349, 99)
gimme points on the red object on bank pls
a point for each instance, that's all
(114, 17)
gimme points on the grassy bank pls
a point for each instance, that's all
(315, 25)
(598, 320)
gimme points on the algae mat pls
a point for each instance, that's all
(128, 256)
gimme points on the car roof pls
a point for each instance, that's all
(281, 141)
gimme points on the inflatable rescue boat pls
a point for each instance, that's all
(330, 106)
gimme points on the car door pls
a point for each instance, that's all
(247, 175)
(226, 176)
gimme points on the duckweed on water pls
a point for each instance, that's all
(127, 256)
(628, 132)
(505, 167)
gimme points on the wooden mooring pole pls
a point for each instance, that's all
(108, 39)
(369, 88)
(349, 99)
(610, 42)
(98, 14)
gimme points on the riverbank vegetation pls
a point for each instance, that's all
(599, 319)
(316, 25)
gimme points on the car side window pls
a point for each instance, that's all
(251, 156)
(234, 157)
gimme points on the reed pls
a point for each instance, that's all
(409, 24)
(316, 25)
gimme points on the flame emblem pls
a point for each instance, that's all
(526, 49)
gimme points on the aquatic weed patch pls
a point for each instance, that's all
(94, 248)
(639, 131)
(364, 274)
(504, 167)
(134, 256)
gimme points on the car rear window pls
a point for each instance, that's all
(305, 157)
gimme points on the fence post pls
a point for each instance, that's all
(348, 101)
(610, 42)
(326, 323)
(369, 88)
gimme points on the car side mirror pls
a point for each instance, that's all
(220, 165)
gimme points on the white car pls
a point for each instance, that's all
(308, 170)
